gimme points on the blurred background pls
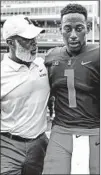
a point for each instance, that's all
(46, 14)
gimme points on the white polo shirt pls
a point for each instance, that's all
(24, 96)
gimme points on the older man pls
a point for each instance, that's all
(24, 95)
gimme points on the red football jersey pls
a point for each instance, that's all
(75, 83)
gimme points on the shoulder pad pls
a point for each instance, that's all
(52, 54)
(93, 46)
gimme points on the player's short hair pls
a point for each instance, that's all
(74, 8)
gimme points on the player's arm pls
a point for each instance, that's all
(48, 64)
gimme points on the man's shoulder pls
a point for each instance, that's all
(94, 51)
(4, 64)
(4, 68)
(53, 51)
(53, 54)
(39, 62)
(93, 47)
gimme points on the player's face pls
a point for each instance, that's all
(74, 30)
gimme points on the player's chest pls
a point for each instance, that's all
(80, 70)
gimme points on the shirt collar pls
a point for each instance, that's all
(16, 66)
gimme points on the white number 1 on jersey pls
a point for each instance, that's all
(69, 73)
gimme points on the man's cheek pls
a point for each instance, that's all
(82, 37)
(65, 36)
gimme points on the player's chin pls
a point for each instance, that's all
(75, 49)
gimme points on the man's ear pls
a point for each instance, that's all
(10, 42)
(88, 26)
(60, 28)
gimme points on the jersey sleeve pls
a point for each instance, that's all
(52, 55)
(48, 57)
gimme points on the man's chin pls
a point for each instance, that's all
(33, 55)
(74, 49)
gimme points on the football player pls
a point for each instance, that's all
(74, 79)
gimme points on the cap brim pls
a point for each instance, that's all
(31, 32)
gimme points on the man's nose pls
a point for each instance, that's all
(73, 34)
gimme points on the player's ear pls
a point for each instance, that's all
(88, 27)
(60, 28)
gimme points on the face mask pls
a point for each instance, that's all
(23, 54)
